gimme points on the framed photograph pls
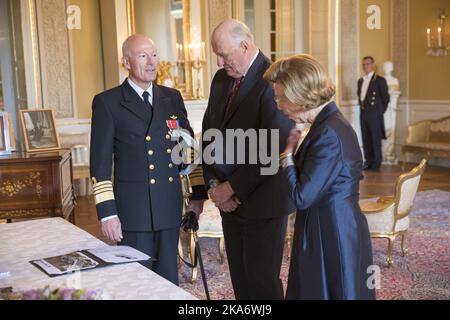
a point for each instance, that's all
(5, 143)
(39, 130)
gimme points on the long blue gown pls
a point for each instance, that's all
(332, 251)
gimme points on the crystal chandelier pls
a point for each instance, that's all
(436, 43)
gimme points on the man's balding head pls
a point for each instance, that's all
(140, 59)
(135, 41)
(232, 42)
(234, 30)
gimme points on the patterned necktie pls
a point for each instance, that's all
(234, 91)
(146, 97)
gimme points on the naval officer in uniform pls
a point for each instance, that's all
(132, 128)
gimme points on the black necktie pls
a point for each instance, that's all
(146, 97)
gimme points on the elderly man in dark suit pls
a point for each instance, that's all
(132, 128)
(373, 97)
(253, 206)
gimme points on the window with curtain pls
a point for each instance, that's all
(249, 14)
(272, 23)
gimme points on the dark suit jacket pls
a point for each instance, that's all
(252, 108)
(331, 249)
(147, 187)
(377, 100)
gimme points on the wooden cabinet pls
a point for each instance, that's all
(36, 185)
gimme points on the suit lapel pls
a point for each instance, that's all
(360, 82)
(133, 102)
(300, 154)
(222, 98)
(160, 107)
(157, 102)
(248, 83)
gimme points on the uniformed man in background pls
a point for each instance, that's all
(132, 128)
(373, 97)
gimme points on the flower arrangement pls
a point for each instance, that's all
(53, 294)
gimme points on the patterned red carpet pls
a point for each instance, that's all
(423, 274)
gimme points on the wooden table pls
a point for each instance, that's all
(24, 241)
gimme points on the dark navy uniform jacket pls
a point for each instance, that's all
(376, 102)
(146, 192)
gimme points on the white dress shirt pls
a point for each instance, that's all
(140, 91)
(365, 85)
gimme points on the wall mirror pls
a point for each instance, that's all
(166, 22)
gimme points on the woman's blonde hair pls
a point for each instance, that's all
(304, 80)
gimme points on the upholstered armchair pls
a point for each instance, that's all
(388, 217)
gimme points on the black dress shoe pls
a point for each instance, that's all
(366, 166)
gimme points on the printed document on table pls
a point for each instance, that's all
(118, 254)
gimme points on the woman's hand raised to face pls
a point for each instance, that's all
(292, 141)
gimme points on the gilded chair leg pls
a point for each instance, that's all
(404, 247)
(222, 249)
(289, 240)
(194, 275)
(192, 256)
(389, 253)
(188, 246)
(180, 253)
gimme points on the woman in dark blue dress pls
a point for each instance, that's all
(331, 252)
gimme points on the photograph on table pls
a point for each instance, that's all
(39, 130)
(5, 143)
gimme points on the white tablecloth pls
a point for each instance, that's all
(24, 241)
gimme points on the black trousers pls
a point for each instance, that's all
(371, 136)
(161, 245)
(255, 252)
